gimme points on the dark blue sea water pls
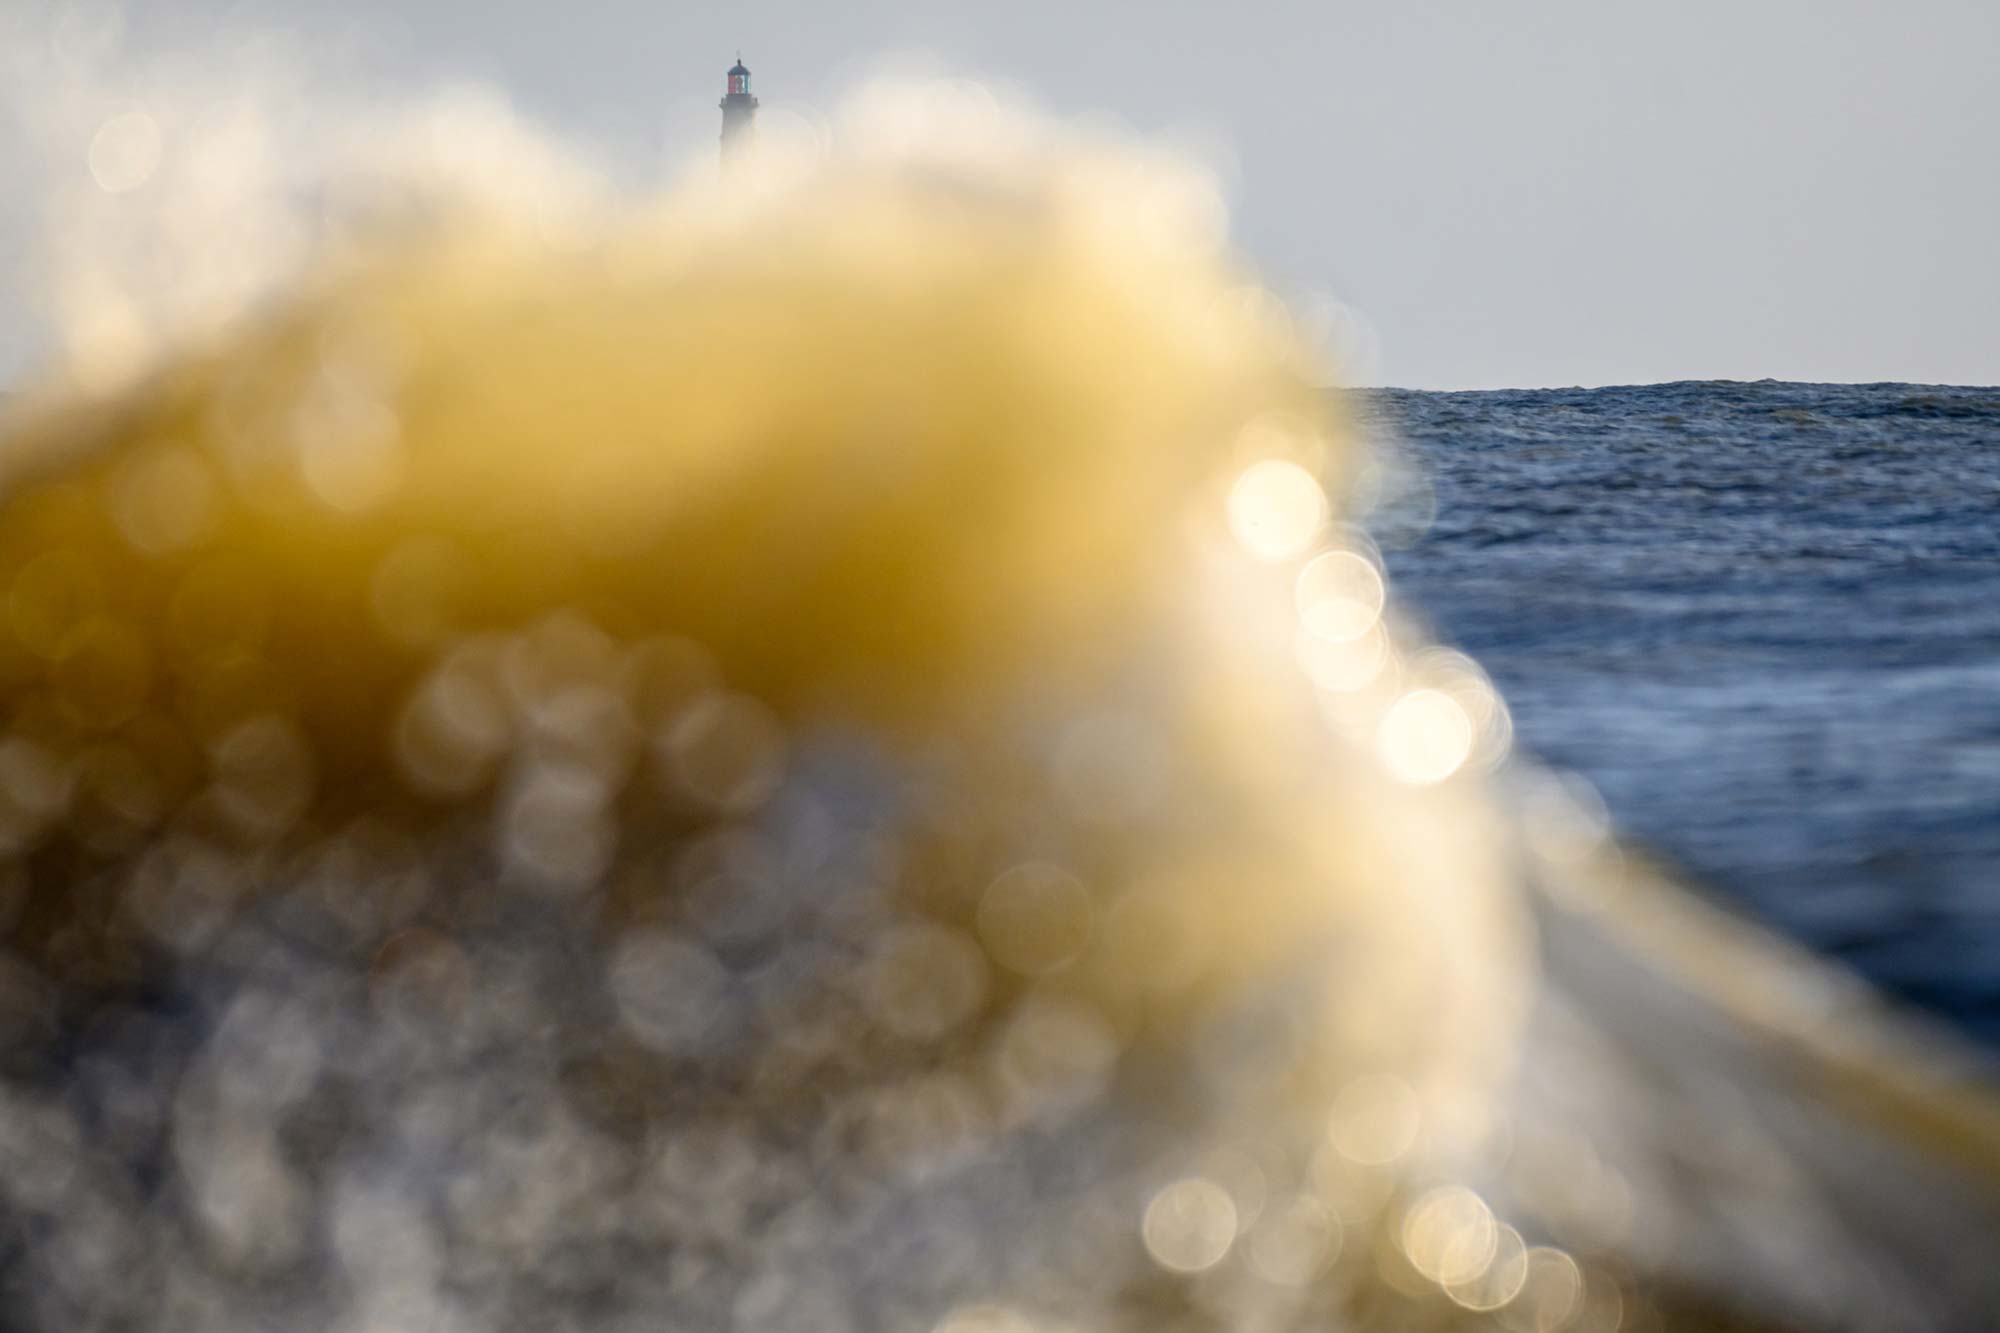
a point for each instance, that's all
(1764, 619)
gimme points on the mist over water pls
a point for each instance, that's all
(1764, 619)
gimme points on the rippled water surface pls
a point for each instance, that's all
(1764, 619)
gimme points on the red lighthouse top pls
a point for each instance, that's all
(739, 79)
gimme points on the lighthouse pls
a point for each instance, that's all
(739, 113)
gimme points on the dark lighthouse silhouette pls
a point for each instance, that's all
(739, 113)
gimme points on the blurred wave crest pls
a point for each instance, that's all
(820, 729)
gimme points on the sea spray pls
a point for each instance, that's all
(820, 730)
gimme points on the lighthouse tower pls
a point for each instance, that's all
(739, 113)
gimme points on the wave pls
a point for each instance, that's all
(820, 753)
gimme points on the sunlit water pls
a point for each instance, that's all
(1764, 619)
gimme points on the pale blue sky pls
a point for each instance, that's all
(1568, 191)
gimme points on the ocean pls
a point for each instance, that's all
(1763, 619)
